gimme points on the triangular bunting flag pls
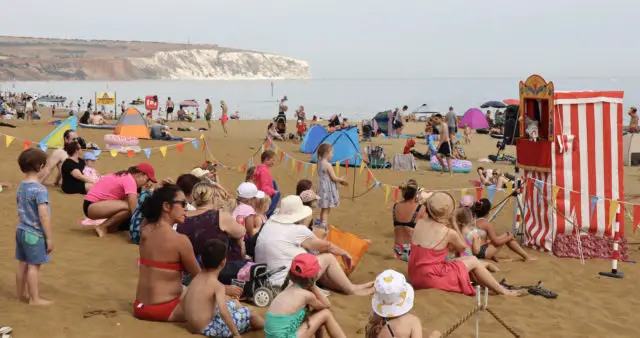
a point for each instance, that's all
(509, 188)
(244, 168)
(592, 205)
(375, 187)
(8, 139)
(130, 153)
(491, 190)
(387, 190)
(268, 143)
(163, 151)
(361, 167)
(554, 194)
(395, 194)
(299, 167)
(369, 177)
(44, 147)
(539, 189)
(346, 167)
(478, 193)
(463, 192)
(281, 156)
(179, 146)
(313, 170)
(113, 152)
(613, 211)
(306, 168)
(636, 217)
(293, 164)
(194, 143)
(286, 159)
(27, 144)
(202, 136)
(337, 168)
(97, 152)
(147, 152)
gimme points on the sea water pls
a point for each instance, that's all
(355, 99)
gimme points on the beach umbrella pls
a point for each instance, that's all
(424, 108)
(474, 118)
(510, 102)
(493, 104)
(189, 103)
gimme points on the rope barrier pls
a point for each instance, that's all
(460, 322)
(503, 323)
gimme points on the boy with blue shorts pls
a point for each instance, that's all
(34, 241)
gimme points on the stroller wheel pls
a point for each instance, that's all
(262, 297)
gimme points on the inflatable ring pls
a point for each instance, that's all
(97, 126)
(459, 166)
(121, 140)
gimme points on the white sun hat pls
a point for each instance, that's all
(394, 296)
(249, 190)
(291, 210)
(199, 172)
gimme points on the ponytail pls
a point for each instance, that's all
(152, 205)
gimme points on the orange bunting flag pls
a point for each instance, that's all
(613, 210)
(268, 143)
(299, 167)
(244, 168)
(395, 195)
(113, 152)
(369, 177)
(636, 217)
(27, 144)
(554, 194)
(346, 167)
(179, 146)
(478, 193)
(313, 170)
(163, 151)
(130, 153)
(281, 155)
(337, 168)
(8, 139)
(387, 190)
(361, 167)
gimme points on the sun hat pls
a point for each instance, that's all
(291, 210)
(147, 169)
(305, 265)
(489, 172)
(199, 172)
(308, 196)
(90, 156)
(440, 206)
(394, 296)
(249, 190)
(467, 201)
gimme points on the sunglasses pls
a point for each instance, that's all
(182, 203)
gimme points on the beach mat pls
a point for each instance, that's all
(349, 242)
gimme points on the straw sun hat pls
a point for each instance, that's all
(441, 206)
(291, 210)
(394, 296)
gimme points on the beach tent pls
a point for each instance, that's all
(132, 123)
(631, 149)
(345, 146)
(312, 139)
(475, 119)
(56, 138)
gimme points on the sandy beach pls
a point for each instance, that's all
(89, 273)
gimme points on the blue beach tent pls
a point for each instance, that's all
(345, 146)
(312, 139)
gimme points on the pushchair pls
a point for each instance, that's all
(281, 124)
(259, 289)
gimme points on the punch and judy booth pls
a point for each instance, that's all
(573, 171)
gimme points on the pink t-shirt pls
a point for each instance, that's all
(241, 212)
(112, 187)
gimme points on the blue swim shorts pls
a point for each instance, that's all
(241, 317)
(31, 248)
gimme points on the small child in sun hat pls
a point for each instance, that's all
(391, 303)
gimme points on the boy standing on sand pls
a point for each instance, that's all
(208, 112)
(444, 148)
(206, 310)
(34, 237)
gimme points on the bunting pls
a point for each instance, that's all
(491, 190)
(478, 193)
(395, 195)
(163, 151)
(8, 139)
(387, 190)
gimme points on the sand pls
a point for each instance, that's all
(88, 273)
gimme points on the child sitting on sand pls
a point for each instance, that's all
(206, 310)
(89, 169)
(301, 310)
(34, 236)
(391, 305)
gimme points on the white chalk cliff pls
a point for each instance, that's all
(210, 64)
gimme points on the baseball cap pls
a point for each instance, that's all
(90, 156)
(147, 169)
(199, 172)
(305, 265)
(249, 190)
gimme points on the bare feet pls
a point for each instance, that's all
(40, 301)
(366, 289)
(516, 293)
(100, 231)
(492, 268)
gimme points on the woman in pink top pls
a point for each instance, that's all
(428, 267)
(115, 196)
(264, 181)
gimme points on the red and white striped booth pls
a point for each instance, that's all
(574, 169)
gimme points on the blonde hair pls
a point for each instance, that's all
(324, 149)
(262, 204)
(409, 189)
(212, 193)
(374, 326)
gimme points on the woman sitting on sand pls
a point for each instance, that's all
(405, 215)
(207, 222)
(164, 254)
(272, 133)
(73, 181)
(115, 197)
(285, 235)
(428, 267)
(486, 231)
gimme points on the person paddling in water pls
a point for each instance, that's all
(444, 148)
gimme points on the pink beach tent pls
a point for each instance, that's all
(474, 118)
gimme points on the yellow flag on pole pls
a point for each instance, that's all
(113, 152)
(387, 190)
(8, 139)
(163, 151)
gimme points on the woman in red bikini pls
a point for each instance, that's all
(164, 254)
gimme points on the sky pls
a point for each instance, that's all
(356, 39)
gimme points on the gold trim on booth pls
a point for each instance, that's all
(535, 87)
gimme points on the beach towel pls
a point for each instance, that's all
(404, 162)
(349, 242)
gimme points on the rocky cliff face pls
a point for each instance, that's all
(54, 59)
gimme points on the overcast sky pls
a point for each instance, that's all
(372, 38)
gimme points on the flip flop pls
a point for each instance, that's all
(538, 290)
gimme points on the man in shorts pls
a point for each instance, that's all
(208, 112)
(444, 147)
(452, 122)
(169, 108)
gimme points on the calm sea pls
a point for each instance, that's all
(354, 98)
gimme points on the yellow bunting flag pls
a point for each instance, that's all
(163, 151)
(387, 190)
(554, 194)
(509, 188)
(293, 164)
(8, 139)
(313, 170)
(613, 210)
(337, 168)
(113, 152)
(463, 192)
(361, 167)
(202, 136)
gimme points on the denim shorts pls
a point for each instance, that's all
(31, 248)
